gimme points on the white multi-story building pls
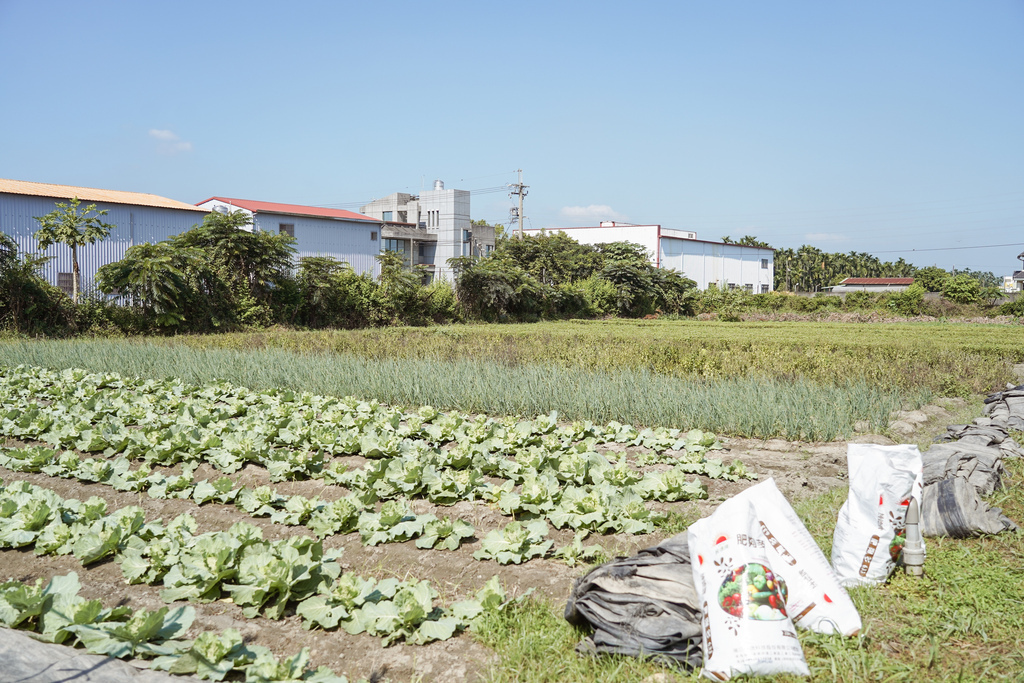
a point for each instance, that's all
(719, 263)
(431, 227)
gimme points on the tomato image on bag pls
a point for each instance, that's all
(754, 592)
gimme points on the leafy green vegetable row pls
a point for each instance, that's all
(554, 472)
(262, 577)
(394, 523)
(290, 434)
(56, 613)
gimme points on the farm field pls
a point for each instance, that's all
(372, 484)
(947, 358)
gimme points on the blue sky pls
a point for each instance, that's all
(894, 128)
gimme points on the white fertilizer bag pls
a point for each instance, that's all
(869, 536)
(746, 625)
(816, 600)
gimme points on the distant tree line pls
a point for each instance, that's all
(809, 269)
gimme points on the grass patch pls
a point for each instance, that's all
(534, 644)
(798, 409)
(963, 622)
(947, 359)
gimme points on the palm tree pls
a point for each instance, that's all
(67, 225)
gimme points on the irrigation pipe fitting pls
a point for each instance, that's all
(913, 547)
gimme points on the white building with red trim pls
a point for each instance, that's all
(873, 284)
(705, 262)
(318, 231)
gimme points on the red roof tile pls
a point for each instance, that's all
(878, 281)
(291, 209)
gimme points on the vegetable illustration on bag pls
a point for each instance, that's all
(753, 591)
(746, 624)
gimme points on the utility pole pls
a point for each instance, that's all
(518, 189)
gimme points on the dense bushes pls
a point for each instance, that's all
(907, 302)
(553, 276)
(220, 276)
(29, 304)
(217, 277)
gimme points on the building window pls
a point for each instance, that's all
(403, 216)
(66, 283)
(467, 235)
(749, 288)
(764, 289)
(387, 215)
(397, 246)
(732, 285)
(488, 249)
(286, 229)
(764, 263)
(422, 252)
(373, 236)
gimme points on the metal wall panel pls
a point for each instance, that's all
(133, 225)
(344, 240)
(707, 262)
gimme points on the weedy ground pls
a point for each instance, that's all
(947, 358)
(964, 621)
(799, 383)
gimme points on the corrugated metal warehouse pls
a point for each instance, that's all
(706, 263)
(138, 218)
(318, 231)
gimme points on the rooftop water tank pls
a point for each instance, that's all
(438, 185)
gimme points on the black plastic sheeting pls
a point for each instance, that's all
(953, 508)
(642, 606)
(967, 465)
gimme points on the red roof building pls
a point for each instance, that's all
(873, 284)
(253, 206)
(318, 231)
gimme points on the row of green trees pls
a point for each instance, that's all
(809, 269)
(222, 276)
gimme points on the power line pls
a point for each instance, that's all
(846, 211)
(516, 213)
(981, 246)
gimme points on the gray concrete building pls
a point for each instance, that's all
(431, 228)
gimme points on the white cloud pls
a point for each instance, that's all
(170, 144)
(825, 237)
(592, 215)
